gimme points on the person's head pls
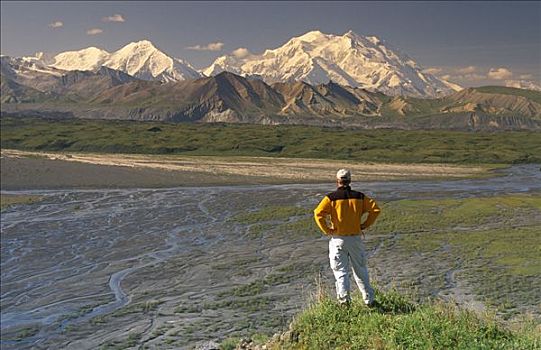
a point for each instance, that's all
(343, 177)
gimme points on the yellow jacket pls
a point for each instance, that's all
(345, 208)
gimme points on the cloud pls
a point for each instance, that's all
(209, 47)
(94, 31)
(114, 18)
(56, 24)
(467, 70)
(463, 75)
(472, 77)
(433, 70)
(523, 84)
(499, 73)
(469, 73)
(241, 52)
(526, 76)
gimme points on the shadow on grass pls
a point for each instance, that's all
(384, 307)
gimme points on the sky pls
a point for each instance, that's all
(469, 43)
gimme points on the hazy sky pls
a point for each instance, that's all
(471, 43)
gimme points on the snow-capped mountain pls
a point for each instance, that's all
(30, 71)
(27, 65)
(350, 59)
(90, 58)
(139, 59)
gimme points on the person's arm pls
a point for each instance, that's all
(370, 207)
(320, 215)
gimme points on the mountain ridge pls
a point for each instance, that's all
(227, 97)
(350, 59)
(314, 57)
(140, 59)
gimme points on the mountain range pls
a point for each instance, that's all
(315, 58)
(227, 97)
(139, 59)
(312, 79)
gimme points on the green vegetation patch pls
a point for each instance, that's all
(489, 245)
(415, 146)
(7, 200)
(272, 213)
(21, 333)
(284, 274)
(396, 323)
(230, 343)
(246, 304)
(304, 227)
(414, 216)
(141, 307)
(500, 266)
(518, 250)
(529, 94)
(130, 341)
(279, 221)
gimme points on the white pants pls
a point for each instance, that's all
(342, 250)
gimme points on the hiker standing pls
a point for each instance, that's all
(338, 215)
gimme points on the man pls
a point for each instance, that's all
(344, 207)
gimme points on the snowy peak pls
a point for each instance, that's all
(90, 58)
(349, 59)
(312, 37)
(140, 59)
(144, 45)
(221, 64)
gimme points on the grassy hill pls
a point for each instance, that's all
(503, 90)
(399, 324)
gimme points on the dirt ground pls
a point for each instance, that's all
(47, 170)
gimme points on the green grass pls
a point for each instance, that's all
(529, 94)
(22, 334)
(131, 341)
(416, 216)
(290, 221)
(379, 145)
(7, 200)
(252, 304)
(271, 213)
(283, 275)
(397, 323)
(141, 307)
(493, 244)
(230, 343)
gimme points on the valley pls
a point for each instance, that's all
(160, 163)
(178, 266)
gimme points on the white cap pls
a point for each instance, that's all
(343, 174)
